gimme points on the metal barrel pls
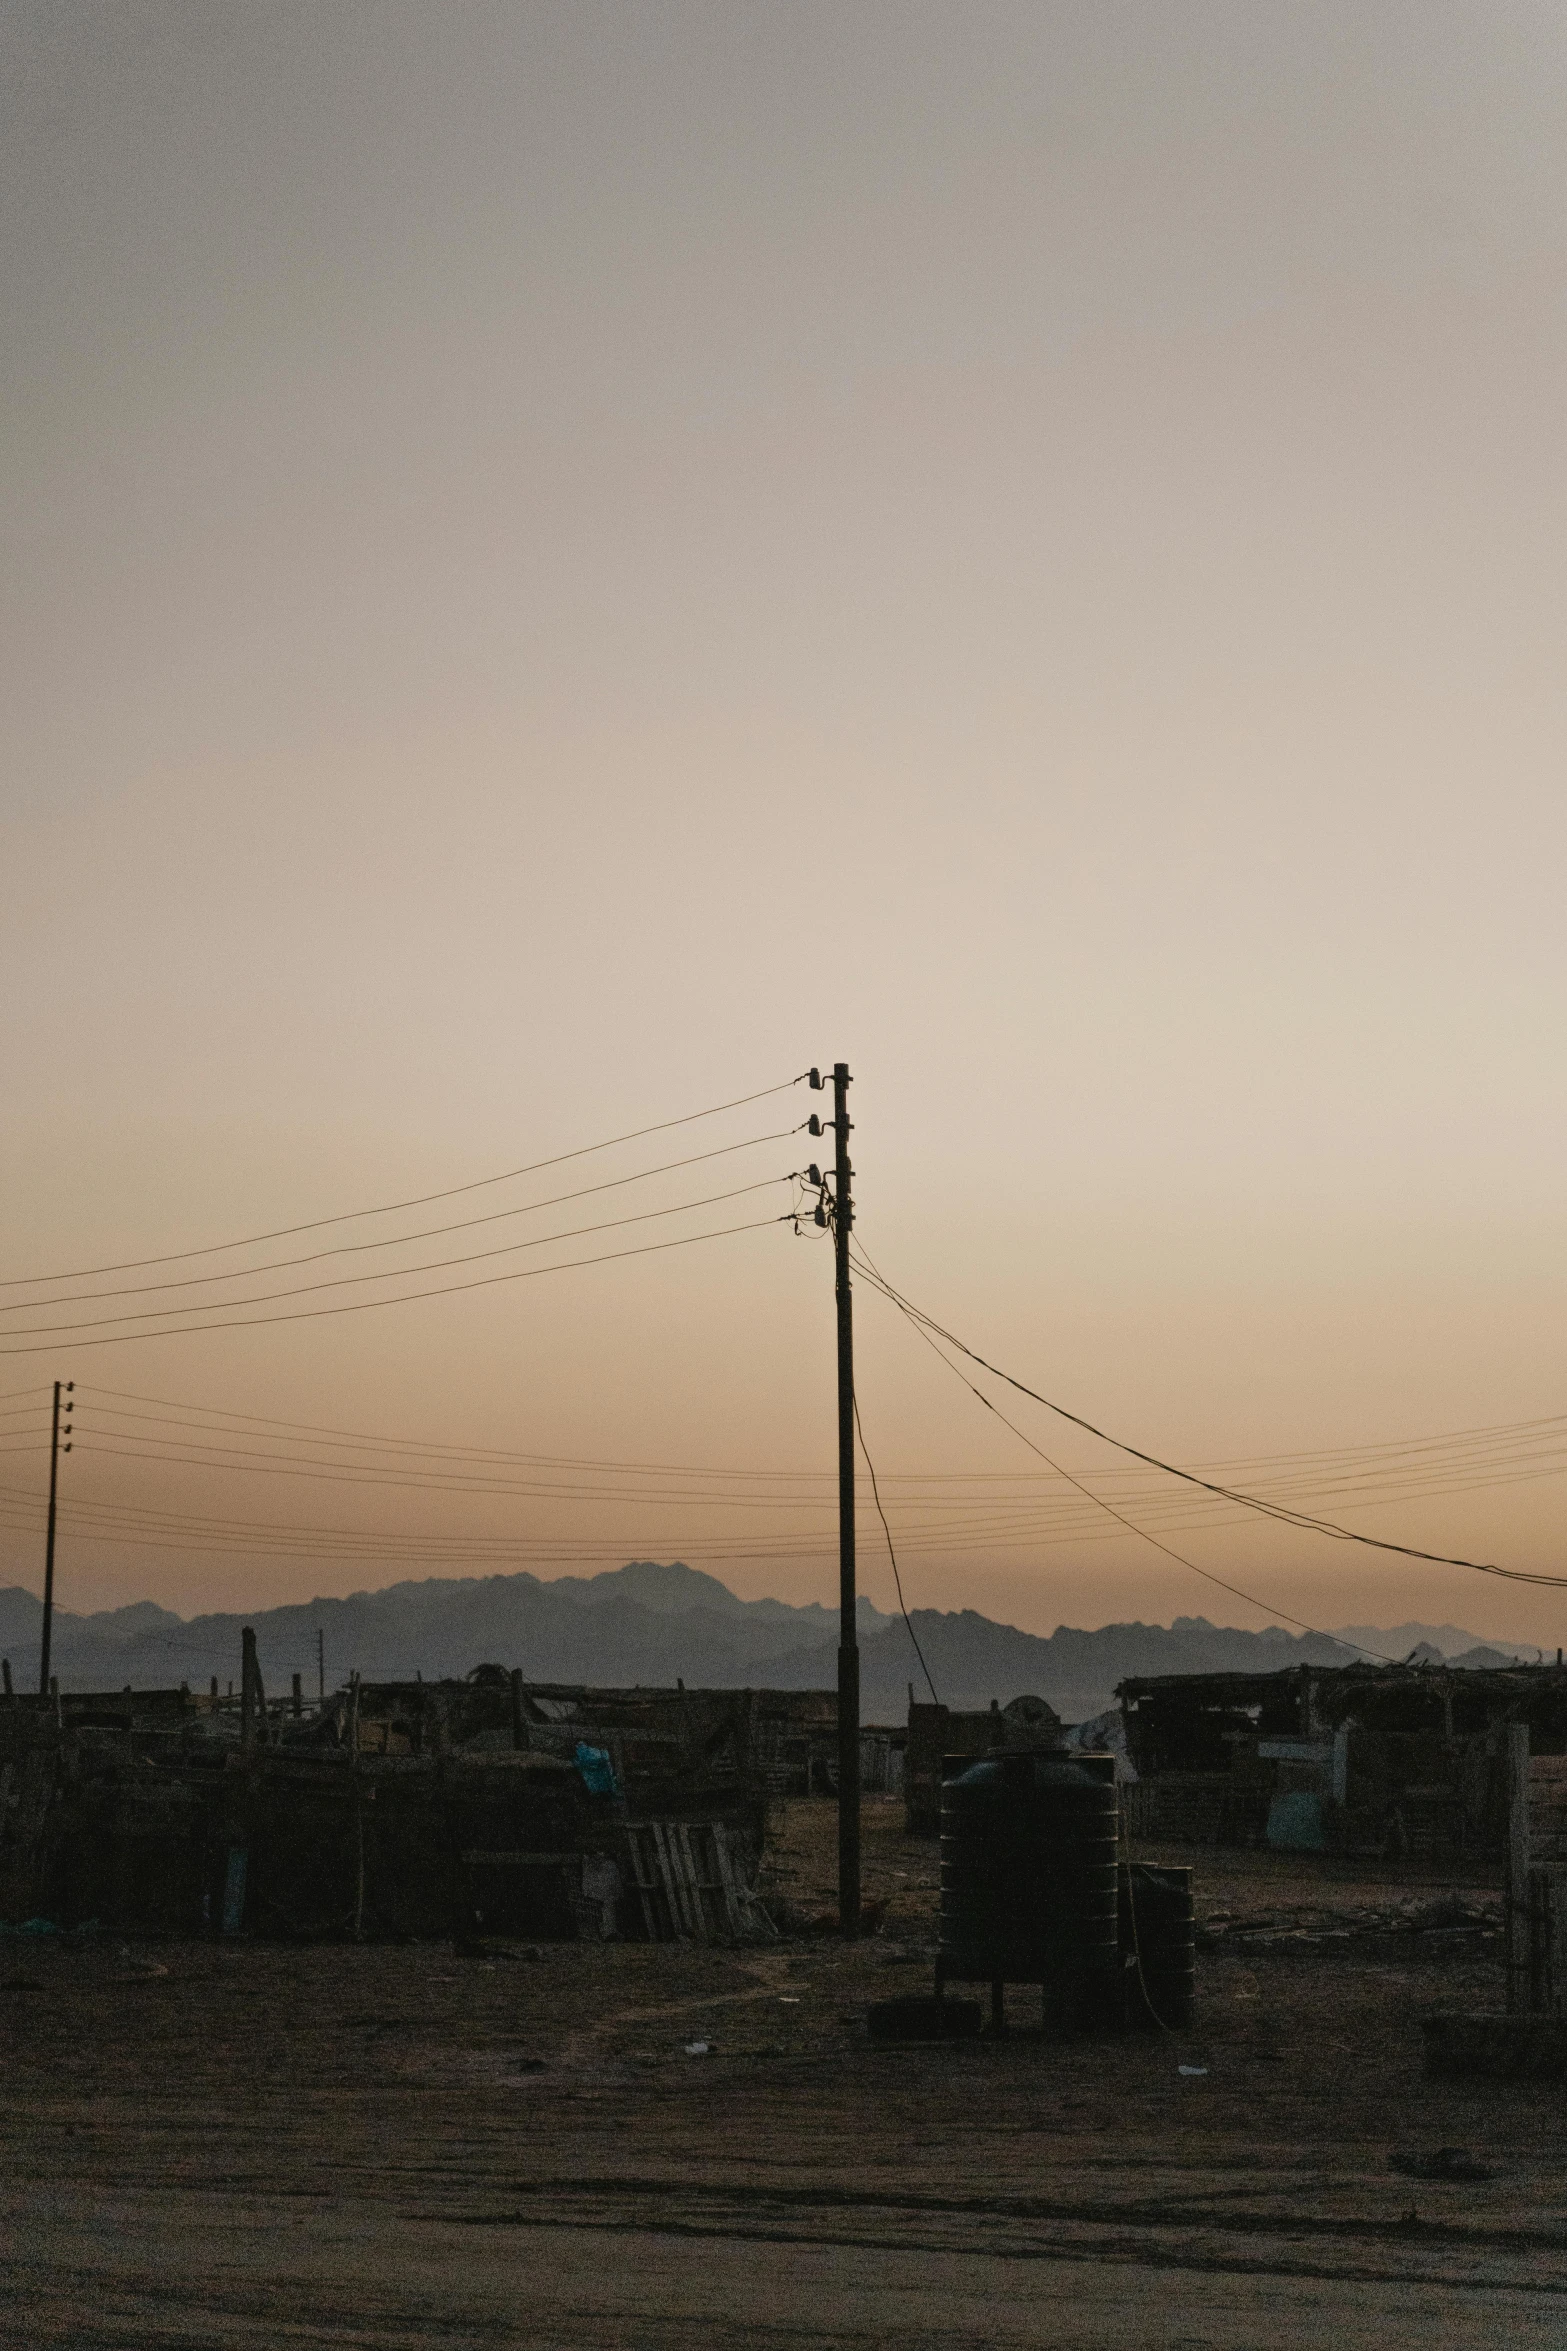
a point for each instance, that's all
(1159, 1934)
(1028, 1869)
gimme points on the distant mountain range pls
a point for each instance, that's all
(657, 1623)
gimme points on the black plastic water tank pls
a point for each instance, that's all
(1028, 1869)
(1159, 1939)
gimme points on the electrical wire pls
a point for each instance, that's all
(316, 1431)
(1006, 1512)
(1306, 1521)
(859, 1430)
(199, 1443)
(392, 1207)
(234, 1461)
(186, 1414)
(400, 1273)
(180, 1434)
(399, 1241)
(24, 1503)
(409, 1297)
(1264, 1606)
(473, 1557)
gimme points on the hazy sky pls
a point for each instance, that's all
(565, 562)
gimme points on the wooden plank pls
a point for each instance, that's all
(1548, 1978)
(690, 1884)
(732, 1898)
(643, 1879)
(710, 1882)
(478, 1860)
(660, 1868)
(698, 1887)
(673, 1889)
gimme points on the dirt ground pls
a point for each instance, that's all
(665, 2148)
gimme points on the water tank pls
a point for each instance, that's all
(1028, 1870)
(1159, 1942)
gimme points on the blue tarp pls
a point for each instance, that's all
(598, 1772)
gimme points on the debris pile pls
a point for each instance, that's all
(481, 1808)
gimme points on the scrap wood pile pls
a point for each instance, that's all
(482, 1807)
(1417, 1927)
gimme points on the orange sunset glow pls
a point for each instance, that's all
(568, 565)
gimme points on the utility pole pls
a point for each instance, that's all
(848, 1621)
(249, 1676)
(55, 1450)
(321, 1661)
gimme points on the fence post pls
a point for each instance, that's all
(247, 1688)
(359, 1807)
(1519, 1920)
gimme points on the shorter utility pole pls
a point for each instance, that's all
(321, 1661)
(249, 1676)
(55, 1449)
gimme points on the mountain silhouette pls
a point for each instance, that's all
(656, 1622)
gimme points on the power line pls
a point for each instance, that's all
(248, 1538)
(952, 1494)
(231, 1461)
(439, 1290)
(318, 1432)
(392, 1207)
(189, 1414)
(1263, 1606)
(1281, 1512)
(489, 1475)
(399, 1241)
(396, 1273)
(25, 1504)
(859, 1430)
(178, 1439)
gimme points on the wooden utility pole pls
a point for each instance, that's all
(359, 1807)
(848, 1615)
(249, 1675)
(1520, 1955)
(55, 1433)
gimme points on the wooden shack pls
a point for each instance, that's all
(488, 1806)
(1395, 1759)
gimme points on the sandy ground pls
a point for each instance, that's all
(253, 2145)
